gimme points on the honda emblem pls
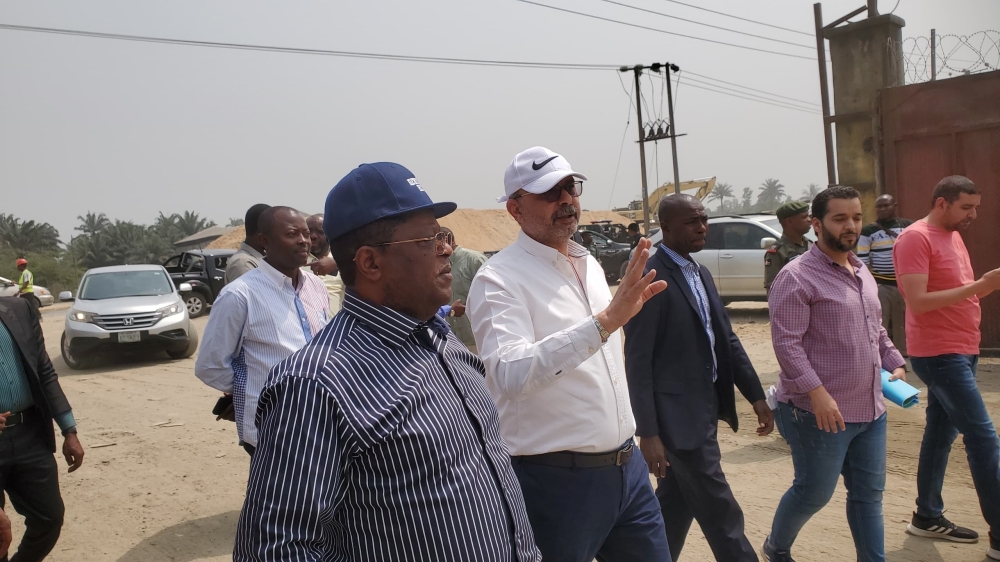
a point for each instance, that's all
(128, 321)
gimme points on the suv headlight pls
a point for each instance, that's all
(170, 310)
(78, 316)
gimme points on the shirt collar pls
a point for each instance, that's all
(391, 326)
(244, 247)
(817, 253)
(277, 277)
(677, 258)
(804, 244)
(536, 248)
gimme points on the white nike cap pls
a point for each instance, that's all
(535, 170)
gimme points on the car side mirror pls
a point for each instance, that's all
(185, 288)
(766, 243)
(66, 296)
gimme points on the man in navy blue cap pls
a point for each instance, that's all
(378, 439)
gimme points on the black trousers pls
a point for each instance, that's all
(696, 488)
(30, 477)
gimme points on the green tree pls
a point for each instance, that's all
(190, 223)
(747, 201)
(811, 193)
(27, 236)
(235, 222)
(771, 195)
(719, 193)
(92, 223)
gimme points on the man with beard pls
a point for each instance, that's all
(546, 326)
(683, 360)
(830, 344)
(322, 263)
(875, 249)
(942, 327)
(262, 317)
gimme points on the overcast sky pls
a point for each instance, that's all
(130, 129)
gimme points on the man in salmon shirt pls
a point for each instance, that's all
(942, 334)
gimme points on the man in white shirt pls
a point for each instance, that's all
(263, 317)
(546, 326)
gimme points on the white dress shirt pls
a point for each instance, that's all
(256, 322)
(556, 386)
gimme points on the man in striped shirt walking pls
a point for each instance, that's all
(262, 317)
(875, 250)
(379, 440)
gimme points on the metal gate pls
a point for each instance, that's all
(936, 129)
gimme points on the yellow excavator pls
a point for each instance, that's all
(700, 187)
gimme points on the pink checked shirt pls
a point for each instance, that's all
(826, 328)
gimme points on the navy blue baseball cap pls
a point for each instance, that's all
(372, 192)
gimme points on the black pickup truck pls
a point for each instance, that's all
(205, 270)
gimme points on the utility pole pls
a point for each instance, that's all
(933, 54)
(654, 133)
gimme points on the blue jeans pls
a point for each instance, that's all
(955, 406)
(819, 459)
(608, 513)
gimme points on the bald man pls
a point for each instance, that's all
(683, 360)
(322, 264)
(875, 249)
(263, 317)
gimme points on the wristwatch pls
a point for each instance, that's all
(605, 336)
(451, 312)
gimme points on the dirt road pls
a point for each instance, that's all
(163, 481)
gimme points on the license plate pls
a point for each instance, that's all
(128, 337)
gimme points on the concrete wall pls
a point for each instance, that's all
(865, 57)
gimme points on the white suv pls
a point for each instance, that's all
(125, 308)
(734, 253)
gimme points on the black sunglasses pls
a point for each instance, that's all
(574, 188)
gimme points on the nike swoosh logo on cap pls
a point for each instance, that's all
(535, 166)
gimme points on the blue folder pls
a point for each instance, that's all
(899, 392)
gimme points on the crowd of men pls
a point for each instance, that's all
(402, 397)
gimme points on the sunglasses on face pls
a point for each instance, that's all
(575, 189)
(441, 239)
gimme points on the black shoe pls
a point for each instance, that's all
(941, 528)
(772, 555)
(994, 552)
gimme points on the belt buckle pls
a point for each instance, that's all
(619, 452)
(20, 420)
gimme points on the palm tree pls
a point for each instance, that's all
(27, 236)
(92, 223)
(772, 194)
(747, 200)
(811, 193)
(235, 222)
(719, 193)
(190, 223)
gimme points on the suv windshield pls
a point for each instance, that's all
(149, 283)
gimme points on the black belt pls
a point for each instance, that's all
(15, 419)
(570, 459)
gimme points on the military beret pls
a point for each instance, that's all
(791, 209)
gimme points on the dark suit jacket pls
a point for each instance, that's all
(26, 330)
(669, 363)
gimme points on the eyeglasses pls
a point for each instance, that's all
(440, 241)
(575, 189)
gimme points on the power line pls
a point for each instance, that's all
(719, 27)
(749, 88)
(739, 18)
(363, 55)
(628, 120)
(592, 16)
(735, 95)
(758, 96)
(296, 50)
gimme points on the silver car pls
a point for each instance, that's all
(126, 308)
(9, 289)
(734, 253)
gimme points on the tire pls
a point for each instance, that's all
(196, 304)
(624, 267)
(192, 345)
(72, 361)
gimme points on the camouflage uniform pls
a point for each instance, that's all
(779, 254)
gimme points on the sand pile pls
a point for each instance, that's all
(483, 230)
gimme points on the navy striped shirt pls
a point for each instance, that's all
(379, 441)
